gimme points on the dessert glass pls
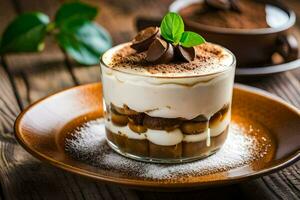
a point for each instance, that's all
(166, 119)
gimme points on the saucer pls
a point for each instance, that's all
(47, 126)
(267, 70)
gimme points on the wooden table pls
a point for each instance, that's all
(27, 77)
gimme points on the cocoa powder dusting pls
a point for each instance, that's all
(252, 15)
(207, 55)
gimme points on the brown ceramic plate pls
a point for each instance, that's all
(41, 129)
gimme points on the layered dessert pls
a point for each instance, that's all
(166, 107)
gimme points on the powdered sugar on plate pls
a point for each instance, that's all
(88, 144)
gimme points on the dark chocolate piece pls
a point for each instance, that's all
(160, 51)
(144, 38)
(188, 54)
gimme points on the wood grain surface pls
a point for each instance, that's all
(25, 78)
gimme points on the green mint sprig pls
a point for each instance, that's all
(172, 30)
(73, 29)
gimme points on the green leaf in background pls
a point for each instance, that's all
(172, 27)
(83, 40)
(25, 33)
(190, 39)
(75, 10)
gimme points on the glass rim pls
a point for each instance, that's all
(231, 66)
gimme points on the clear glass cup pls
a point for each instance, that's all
(166, 119)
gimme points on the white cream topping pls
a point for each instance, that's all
(216, 63)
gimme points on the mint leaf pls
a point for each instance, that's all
(25, 34)
(190, 39)
(83, 40)
(172, 27)
(69, 11)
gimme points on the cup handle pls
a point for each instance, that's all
(288, 47)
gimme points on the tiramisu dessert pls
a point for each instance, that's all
(167, 94)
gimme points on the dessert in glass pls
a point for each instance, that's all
(165, 103)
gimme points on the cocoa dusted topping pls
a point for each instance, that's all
(241, 15)
(144, 38)
(208, 57)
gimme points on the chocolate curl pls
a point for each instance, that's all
(144, 38)
(160, 51)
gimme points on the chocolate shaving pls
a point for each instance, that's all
(144, 38)
(160, 51)
(188, 54)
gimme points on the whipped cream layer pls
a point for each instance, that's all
(164, 138)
